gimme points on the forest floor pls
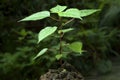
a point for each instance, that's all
(113, 75)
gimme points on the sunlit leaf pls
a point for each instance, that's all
(88, 12)
(58, 9)
(76, 47)
(37, 16)
(41, 53)
(72, 13)
(76, 13)
(46, 32)
(58, 56)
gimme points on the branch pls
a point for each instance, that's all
(54, 19)
(68, 22)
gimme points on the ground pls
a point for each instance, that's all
(65, 72)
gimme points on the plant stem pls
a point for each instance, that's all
(61, 38)
(68, 22)
(54, 19)
(61, 34)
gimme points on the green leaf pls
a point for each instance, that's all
(88, 12)
(37, 16)
(76, 47)
(23, 32)
(58, 56)
(65, 30)
(58, 9)
(40, 53)
(72, 12)
(46, 32)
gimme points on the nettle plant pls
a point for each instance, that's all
(62, 12)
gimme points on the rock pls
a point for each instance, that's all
(66, 72)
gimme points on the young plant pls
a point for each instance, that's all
(61, 11)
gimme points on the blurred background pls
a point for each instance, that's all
(100, 34)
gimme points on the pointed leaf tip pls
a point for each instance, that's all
(37, 16)
(88, 12)
(40, 53)
(58, 9)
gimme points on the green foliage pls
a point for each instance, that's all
(76, 47)
(41, 53)
(37, 16)
(88, 12)
(76, 13)
(58, 9)
(72, 12)
(58, 56)
(46, 32)
(65, 30)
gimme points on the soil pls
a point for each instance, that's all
(65, 72)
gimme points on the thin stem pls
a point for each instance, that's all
(54, 19)
(60, 35)
(60, 48)
(68, 22)
(61, 38)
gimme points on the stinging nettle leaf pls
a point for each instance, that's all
(46, 32)
(58, 9)
(40, 53)
(76, 47)
(72, 12)
(88, 12)
(37, 16)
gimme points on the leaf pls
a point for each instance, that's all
(65, 30)
(58, 9)
(46, 32)
(88, 12)
(40, 53)
(76, 13)
(72, 12)
(23, 32)
(37, 16)
(58, 56)
(76, 47)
